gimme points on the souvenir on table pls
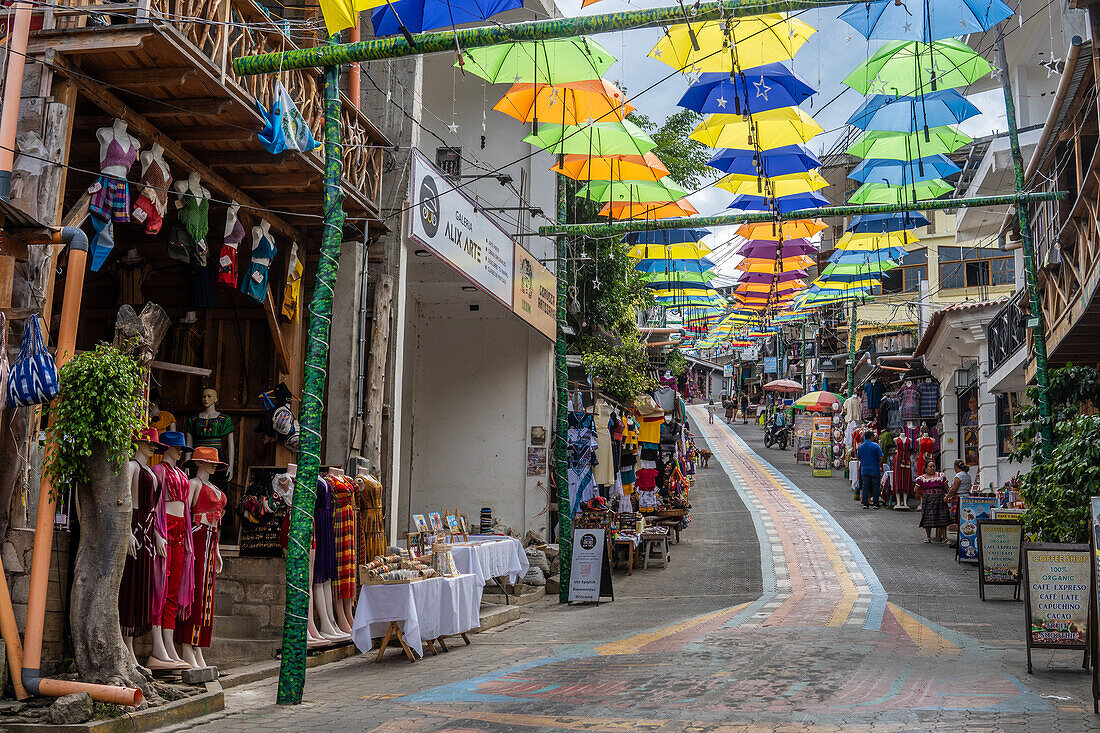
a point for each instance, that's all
(443, 561)
(394, 569)
(420, 522)
(437, 522)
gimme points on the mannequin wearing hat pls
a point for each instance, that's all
(147, 549)
(177, 586)
(206, 502)
(284, 487)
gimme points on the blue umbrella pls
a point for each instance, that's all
(849, 257)
(667, 236)
(700, 265)
(758, 89)
(909, 114)
(783, 204)
(425, 15)
(930, 20)
(902, 172)
(774, 162)
(882, 223)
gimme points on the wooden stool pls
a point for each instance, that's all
(663, 555)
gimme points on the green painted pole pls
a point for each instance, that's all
(292, 668)
(612, 228)
(561, 372)
(1031, 276)
(534, 30)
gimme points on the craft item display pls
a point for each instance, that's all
(443, 562)
(33, 378)
(156, 180)
(254, 284)
(394, 568)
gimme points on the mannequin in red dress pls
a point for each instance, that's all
(903, 471)
(926, 446)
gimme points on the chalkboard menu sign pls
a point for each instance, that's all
(999, 542)
(1058, 583)
(261, 538)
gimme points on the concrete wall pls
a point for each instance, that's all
(342, 425)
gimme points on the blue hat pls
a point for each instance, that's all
(174, 439)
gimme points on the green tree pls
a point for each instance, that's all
(686, 159)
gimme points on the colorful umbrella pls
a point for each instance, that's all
(850, 257)
(663, 190)
(930, 20)
(668, 236)
(425, 15)
(882, 193)
(911, 68)
(880, 223)
(909, 114)
(902, 172)
(767, 130)
(598, 138)
(759, 277)
(818, 401)
(756, 264)
(902, 146)
(751, 41)
(341, 14)
(765, 248)
(868, 268)
(762, 88)
(556, 61)
(782, 204)
(775, 162)
(653, 265)
(874, 241)
(572, 103)
(784, 386)
(797, 229)
(655, 210)
(585, 167)
(680, 251)
(791, 184)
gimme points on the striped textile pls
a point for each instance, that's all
(344, 529)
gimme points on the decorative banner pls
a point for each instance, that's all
(535, 294)
(999, 543)
(821, 447)
(589, 555)
(971, 509)
(442, 219)
(1057, 580)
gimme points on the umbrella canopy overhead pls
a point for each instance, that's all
(782, 204)
(759, 277)
(888, 20)
(881, 193)
(911, 68)
(783, 386)
(680, 251)
(648, 210)
(586, 167)
(700, 265)
(678, 279)
(792, 184)
(865, 242)
(598, 138)
(903, 146)
(909, 114)
(775, 162)
(775, 128)
(425, 15)
(770, 266)
(753, 41)
(766, 249)
(798, 229)
(571, 103)
(866, 268)
(818, 401)
(880, 223)
(540, 62)
(668, 236)
(850, 257)
(758, 89)
(663, 190)
(903, 172)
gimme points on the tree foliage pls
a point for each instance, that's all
(1058, 488)
(618, 364)
(686, 159)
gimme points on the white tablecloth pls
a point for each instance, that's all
(488, 556)
(425, 609)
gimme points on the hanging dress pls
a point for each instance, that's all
(581, 448)
(152, 202)
(903, 467)
(227, 259)
(206, 515)
(135, 595)
(178, 587)
(254, 284)
(324, 562)
(344, 529)
(187, 240)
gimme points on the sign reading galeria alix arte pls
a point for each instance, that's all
(444, 220)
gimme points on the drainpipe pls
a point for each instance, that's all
(353, 70)
(43, 533)
(13, 86)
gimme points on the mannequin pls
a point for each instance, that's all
(254, 284)
(146, 547)
(177, 585)
(156, 181)
(926, 445)
(110, 194)
(292, 293)
(234, 235)
(284, 487)
(903, 471)
(324, 564)
(187, 240)
(345, 535)
(212, 429)
(206, 503)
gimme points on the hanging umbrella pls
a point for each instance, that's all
(425, 15)
(757, 264)
(598, 138)
(845, 282)
(869, 268)
(654, 265)
(663, 190)
(775, 162)
(751, 41)
(909, 114)
(571, 103)
(759, 277)
(910, 68)
(680, 251)
(769, 288)
(767, 130)
(758, 89)
(818, 401)
(764, 248)
(791, 184)
(902, 172)
(782, 204)
(556, 61)
(902, 146)
(678, 279)
(880, 223)
(341, 14)
(654, 210)
(864, 242)
(930, 20)
(584, 167)
(669, 236)
(797, 229)
(849, 257)
(784, 386)
(882, 193)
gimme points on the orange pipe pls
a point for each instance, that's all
(130, 696)
(10, 632)
(353, 70)
(13, 83)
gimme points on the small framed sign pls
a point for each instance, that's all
(1058, 586)
(999, 543)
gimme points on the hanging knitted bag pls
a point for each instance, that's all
(4, 368)
(33, 378)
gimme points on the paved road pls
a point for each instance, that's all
(778, 613)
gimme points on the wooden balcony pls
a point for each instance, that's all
(165, 65)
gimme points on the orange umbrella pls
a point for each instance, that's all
(572, 103)
(646, 167)
(798, 229)
(650, 210)
(768, 266)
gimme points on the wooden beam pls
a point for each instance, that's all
(277, 181)
(112, 105)
(97, 40)
(160, 76)
(276, 332)
(214, 134)
(200, 106)
(376, 370)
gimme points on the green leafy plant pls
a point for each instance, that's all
(1058, 488)
(619, 365)
(99, 409)
(676, 363)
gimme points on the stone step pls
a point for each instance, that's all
(227, 653)
(492, 615)
(537, 593)
(223, 604)
(236, 627)
(261, 569)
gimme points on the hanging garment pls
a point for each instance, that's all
(284, 126)
(581, 448)
(292, 293)
(910, 403)
(926, 445)
(179, 584)
(873, 391)
(254, 284)
(212, 432)
(227, 259)
(903, 467)
(206, 514)
(102, 241)
(152, 202)
(131, 277)
(344, 528)
(135, 594)
(929, 398)
(853, 409)
(110, 199)
(604, 472)
(202, 287)
(324, 564)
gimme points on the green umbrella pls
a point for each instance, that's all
(882, 193)
(557, 61)
(663, 190)
(678, 277)
(902, 146)
(911, 68)
(597, 138)
(867, 269)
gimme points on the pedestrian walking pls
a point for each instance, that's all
(869, 454)
(932, 486)
(728, 404)
(744, 408)
(710, 410)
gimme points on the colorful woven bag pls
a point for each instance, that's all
(33, 378)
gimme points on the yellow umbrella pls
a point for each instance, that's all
(751, 41)
(869, 242)
(572, 103)
(787, 185)
(797, 229)
(341, 14)
(648, 210)
(775, 128)
(646, 167)
(685, 251)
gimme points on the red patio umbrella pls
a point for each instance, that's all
(784, 386)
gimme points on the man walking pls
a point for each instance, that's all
(744, 407)
(869, 454)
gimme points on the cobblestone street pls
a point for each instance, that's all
(785, 608)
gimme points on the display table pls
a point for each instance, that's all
(416, 613)
(491, 556)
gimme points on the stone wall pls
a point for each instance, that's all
(16, 553)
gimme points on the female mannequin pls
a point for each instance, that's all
(136, 594)
(292, 293)
(234, 235)
(212, 429)
(344, 530)
(903, 471)
(175, 599)
(284, 487)
(187, 240)
(254, 284)
(206, 503)
(324, 565)
(156, 179)
(118, 151)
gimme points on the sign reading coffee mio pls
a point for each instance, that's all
(1058, 584)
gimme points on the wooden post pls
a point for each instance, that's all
(376, 371)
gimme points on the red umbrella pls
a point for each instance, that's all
(785, 386)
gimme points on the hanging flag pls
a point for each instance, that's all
(284, 127)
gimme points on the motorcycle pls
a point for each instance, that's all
(776, 435)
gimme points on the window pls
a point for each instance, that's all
(973, 267)
(449, 160)
(1008, 416)
(906, 278)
